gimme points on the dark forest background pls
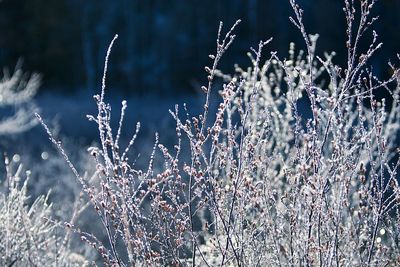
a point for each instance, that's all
(163, 45)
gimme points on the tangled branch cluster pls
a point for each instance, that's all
(28, 235)
(264, 184)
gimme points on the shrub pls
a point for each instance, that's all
(28, 235)
(266, 184)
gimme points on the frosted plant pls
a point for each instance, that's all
(298, 166)
(16, 93)
(287, 188)
(28, 236)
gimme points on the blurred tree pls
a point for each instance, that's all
(163, 45)
(16, 93)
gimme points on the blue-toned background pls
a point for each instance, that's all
(163, 45)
